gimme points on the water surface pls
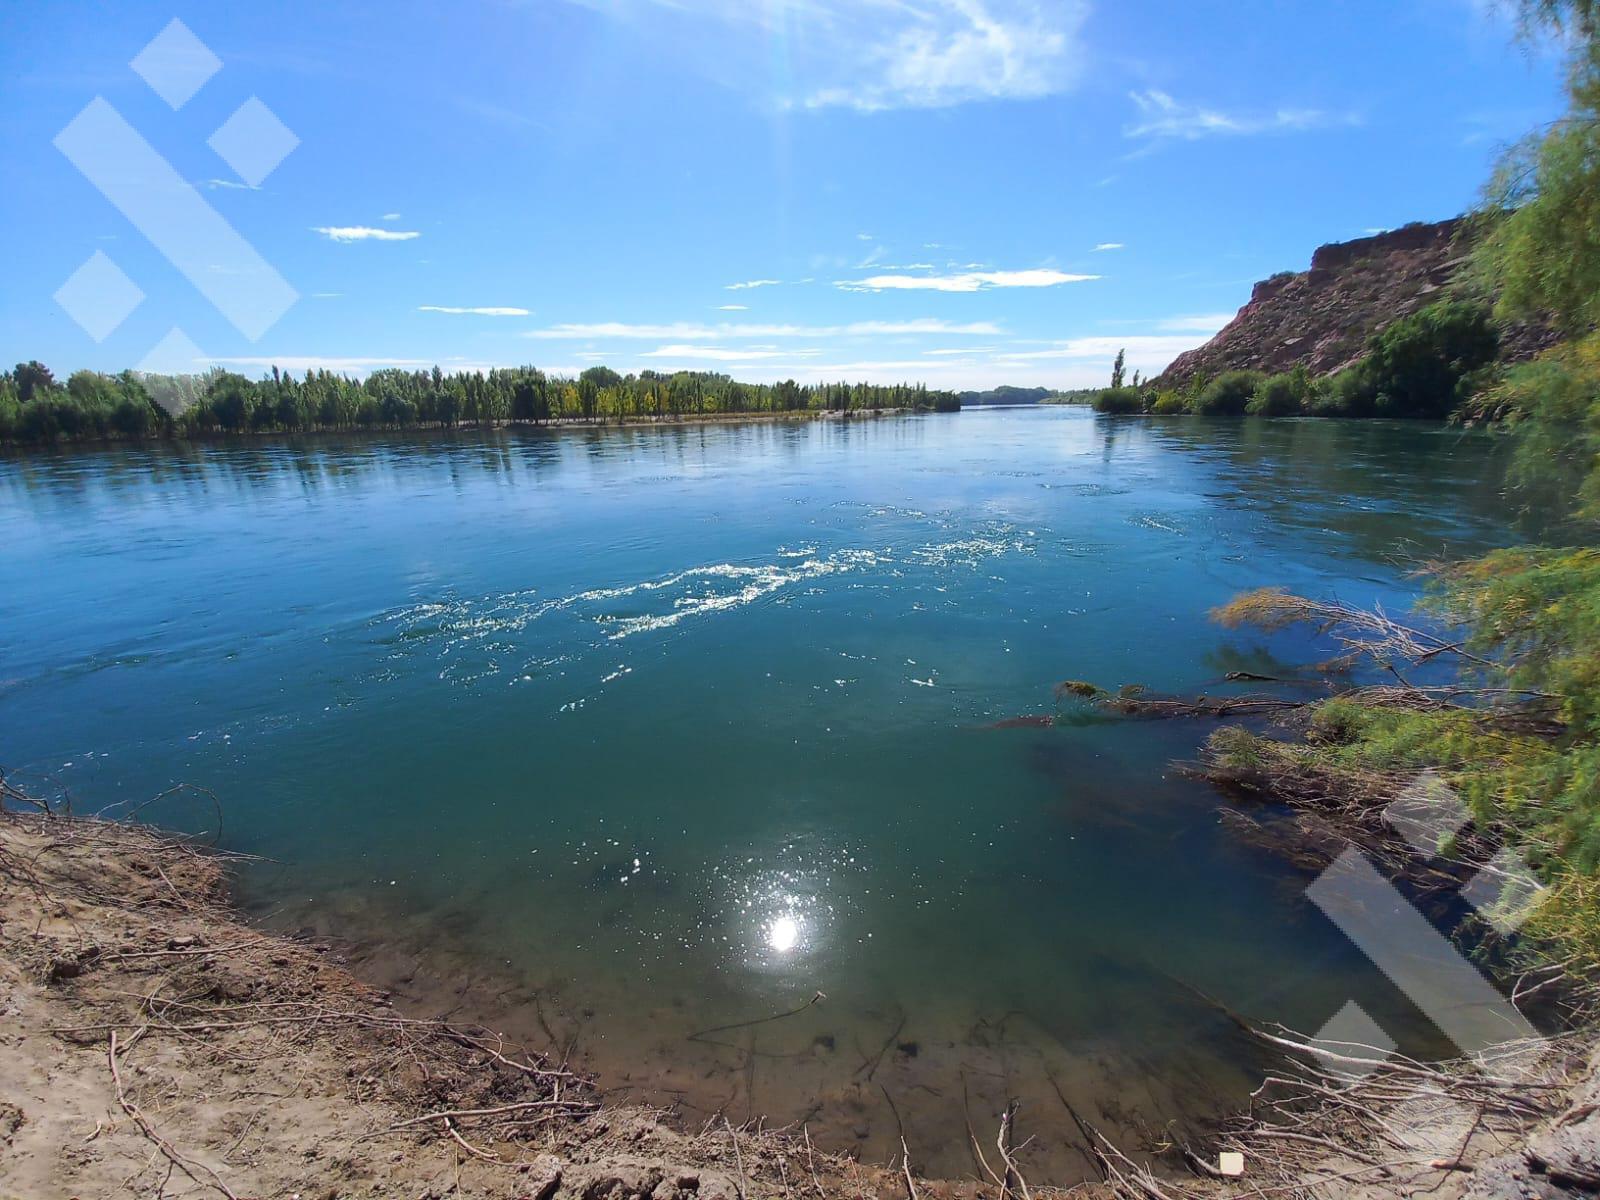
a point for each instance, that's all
(620, 737)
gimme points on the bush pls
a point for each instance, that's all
(1417, 365)
(1119, 400)
(1168, 403)
(1348, 394)
(1228, 394)
(1279, 396)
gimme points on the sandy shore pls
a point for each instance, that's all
(154, 1044)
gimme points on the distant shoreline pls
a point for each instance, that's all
(684, 420)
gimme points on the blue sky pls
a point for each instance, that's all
(965, 192)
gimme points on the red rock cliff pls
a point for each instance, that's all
(1324, 316)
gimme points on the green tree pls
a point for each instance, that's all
(32, 378)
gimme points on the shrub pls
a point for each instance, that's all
(1417, 364)
(1228, 394)
(1279, 396)
(1168, 403)
(1119, 400)
(1348, 394)
(10, 409)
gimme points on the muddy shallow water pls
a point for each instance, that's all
(628, 740)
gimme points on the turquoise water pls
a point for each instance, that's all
(617, 737)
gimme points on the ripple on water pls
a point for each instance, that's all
(480, 638)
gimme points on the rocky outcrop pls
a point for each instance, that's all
(1323, 317)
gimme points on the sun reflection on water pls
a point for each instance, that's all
(783, 933)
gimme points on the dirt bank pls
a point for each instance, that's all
(155, 1045)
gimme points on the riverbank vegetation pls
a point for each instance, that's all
(37, 409)
(1427, 365)
(1514, 732)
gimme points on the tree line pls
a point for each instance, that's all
(36, 409)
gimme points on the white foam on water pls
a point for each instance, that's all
(480, 636)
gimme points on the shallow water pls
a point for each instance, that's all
(619, 737)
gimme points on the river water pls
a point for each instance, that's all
(619, 737)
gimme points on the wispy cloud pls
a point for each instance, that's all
(873, 55)
(714, 353)
(390, 217)
(1207, 323)
(1147, 348)
(1104, 246)
(684, 332)
(317, 362)
(1163, 118)
(232, 185)
(474, 312)
(753, 283)
(364, 233)
(733, 308)
(951, 52)
(968, 281)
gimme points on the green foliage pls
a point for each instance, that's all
(1119, 370)
(1119, 400)
(1228, 395)
(1346, 394)
(1281, 395)
(1527, 619)
(10, 409)
(134, 404)
(1553, 405)
(1420, 366)
(1545, 256)
(1168, 403)
(1416, 366)
(1536, 612)
(32, 378)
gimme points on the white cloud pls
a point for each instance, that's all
(714, 353)
(230, 185)
(390, 217)
(1103, 246)
(474, 312)
(685, 332)
(733, 308)
(753, 283)
(871, 55)
(1162, 117)
(1207, 323)
(363, 233)
(950, 52)
(317, 362)
(1145, 345)
(971, 281)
